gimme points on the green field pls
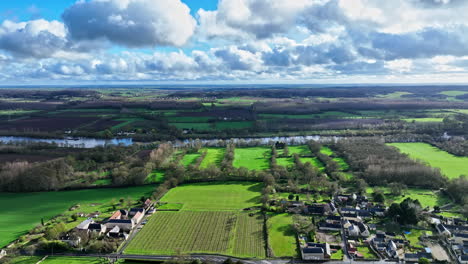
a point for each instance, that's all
(281, 236)
(343, 164)
(453, 93)
(256, 158)
(213, 156)
(25, 210)
(215, 232)
(210, 220)
(427, 198)
(231, 196)
(450, 165)
(190, 159)
(424, 120)
(394, 95)
(155, 177)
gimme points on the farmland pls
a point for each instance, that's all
(214, 156)
(256, 158)
(210, 221)
(230, 196)
(450, 165)
(27, 209)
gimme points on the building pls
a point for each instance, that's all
(391, 249)
(414, 257)
(123, 224)
(330, 227)
(443, 230)
(97, 228)
(463, 259)
(316, 251)
(85, 224)
(138, 217)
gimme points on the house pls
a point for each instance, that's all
(459, 238)
(463, 259)
(332, 219)
(378, 211)
(97, 228)
(114, 232)
(391, 250)
(353, 231)
(316, 251)
(457, 228)
(134, 211)
(147, 204)
(443, 230)
(85, 224)
(317, 209)
(123, 224)
(330, 227)
(363, 230)
(73, 241)
(414, 257)
(138, 217)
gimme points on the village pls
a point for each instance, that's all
(353, 227)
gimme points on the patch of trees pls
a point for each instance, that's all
(29, 177)
(226, 164)
(380, 164)
(408, 212)
(456, 146)
(458, 189)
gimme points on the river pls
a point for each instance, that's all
(70, 142)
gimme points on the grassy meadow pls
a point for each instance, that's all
(214, 156)
(256, 158)
(450, 165)
(230, 196)
(23, 211)
(281, 235)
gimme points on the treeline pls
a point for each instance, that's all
(380, 164)
(455, 146)
(71, 168)
(28, 177)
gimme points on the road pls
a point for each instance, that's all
(217, 259)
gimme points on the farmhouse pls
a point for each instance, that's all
(85, 224)
(97, 228)
(123, 224)
(316, 251)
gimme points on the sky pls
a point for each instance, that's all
(233, 41)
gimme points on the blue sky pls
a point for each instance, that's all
(233, 41)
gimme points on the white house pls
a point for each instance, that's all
(316, 251)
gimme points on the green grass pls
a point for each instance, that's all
(338, 255)
(213, 156)
(229, 196)
(103, 182)
(281, 235)
(427, 198)
(24, 260)
(450, 165)
(343, 164)
(171, 206)
(125, 122)
(424, 120)
(25, 210)
(233, 125)
(16, 112)
(366, 252)
(414, 235)
(394, 95)
(155, 177)
(72, 260)
(189, 119)
(255, 158)
(194, 126)
(190, 159)
(453, 93)
(327, 151)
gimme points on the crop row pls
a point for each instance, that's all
(249, 236)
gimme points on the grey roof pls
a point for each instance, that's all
(95, 226)
(313, 250)
(464, 257)
(119, 221)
